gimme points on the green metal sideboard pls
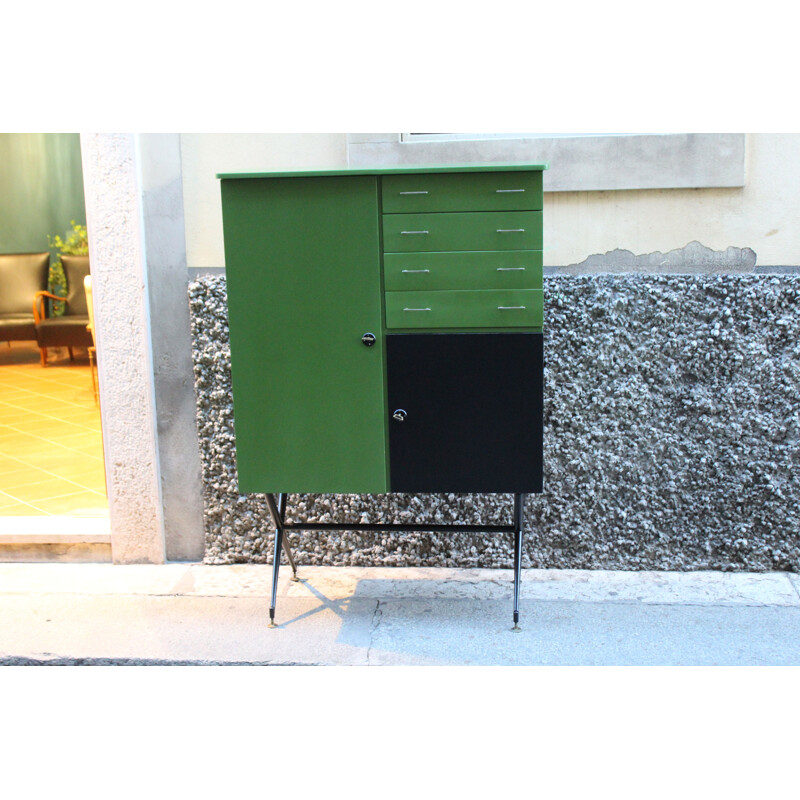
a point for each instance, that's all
(386, 335)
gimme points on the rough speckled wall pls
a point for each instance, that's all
(672, 420)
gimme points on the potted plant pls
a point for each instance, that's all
(74, 243)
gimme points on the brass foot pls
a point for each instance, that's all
(516, 629)
(296, 579)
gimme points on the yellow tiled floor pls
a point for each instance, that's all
(51, 450)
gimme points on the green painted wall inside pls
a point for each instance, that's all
(41, 189)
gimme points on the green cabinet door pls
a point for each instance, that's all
(303, 278)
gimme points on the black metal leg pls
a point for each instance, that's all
(286, 548)
(276, 555)
(519, 504)
(276, 565)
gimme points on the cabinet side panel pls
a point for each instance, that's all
(303, 273)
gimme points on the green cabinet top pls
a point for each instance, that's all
(515, 167)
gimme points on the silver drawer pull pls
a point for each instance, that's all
(416, 309)
(422, 192)
(507, 191)
(510, 308)
(408, 233)
(421, 270)
(511, 269)
(511, 230)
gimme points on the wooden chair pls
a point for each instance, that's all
(70, 329)
(87, 286)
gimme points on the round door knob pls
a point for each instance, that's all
(400, 415)
(368, 339)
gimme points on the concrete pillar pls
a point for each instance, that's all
(161, 188)
(124, 359)
(134, 207)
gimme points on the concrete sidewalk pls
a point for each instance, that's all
(201, 614)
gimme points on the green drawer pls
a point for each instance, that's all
(485, 230)
(496, 269)
(491, 308)
(472, 191)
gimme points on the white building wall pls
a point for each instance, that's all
(761, 215)
(203, 155)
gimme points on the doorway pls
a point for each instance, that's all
(53, 503)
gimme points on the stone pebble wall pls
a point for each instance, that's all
(672, 420)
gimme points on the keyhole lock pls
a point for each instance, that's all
(368, 339)
(400, 415)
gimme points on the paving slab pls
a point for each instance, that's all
(794, 579)
(202, 630)
(466, 632)
(255, 580)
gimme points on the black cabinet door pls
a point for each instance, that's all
(465, 412)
